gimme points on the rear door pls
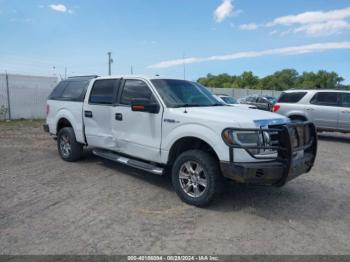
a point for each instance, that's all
(263, 104)
(97, 113)
(138, 133)
(323, 109)
(344, 114)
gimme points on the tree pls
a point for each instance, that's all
(280, 80)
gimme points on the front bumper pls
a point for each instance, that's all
(297, 148)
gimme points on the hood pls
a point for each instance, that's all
(228, 114)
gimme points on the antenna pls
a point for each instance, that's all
(110, 61)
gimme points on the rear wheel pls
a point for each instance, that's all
(68, 147)
(196, 177)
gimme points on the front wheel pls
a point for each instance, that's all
(68, 147)
(196, 177)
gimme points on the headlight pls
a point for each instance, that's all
(249, 140)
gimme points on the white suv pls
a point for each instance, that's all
(329, 110)
(177, 127)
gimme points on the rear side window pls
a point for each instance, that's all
(75, 90)
(294, 97)
(58, 90)
(326, 99)
(104, 91)
(345, 99)
(135, 89)
(251, 99)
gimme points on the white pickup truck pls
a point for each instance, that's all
(177, 127)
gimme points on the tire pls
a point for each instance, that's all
(196, 160)
(68, 147)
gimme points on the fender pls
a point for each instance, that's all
(76, 123)
(298, 113)
(199, 131)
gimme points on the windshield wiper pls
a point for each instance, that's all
(196, 105)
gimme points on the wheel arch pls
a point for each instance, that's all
(293, 116)
(187, 143)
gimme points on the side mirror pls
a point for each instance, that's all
(144, 105)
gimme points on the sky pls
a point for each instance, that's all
(174, 37)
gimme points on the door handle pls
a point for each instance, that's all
(346, 111)
(88, 114)
(310, 109)
(119, 117)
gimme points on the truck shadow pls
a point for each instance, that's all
(301, 199)
(120, 169)
(336, 137)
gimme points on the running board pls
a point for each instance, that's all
(128, 161)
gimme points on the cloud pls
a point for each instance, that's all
(292, 50)
(323, 29)
(315, 23)
(59, 8)
(223, 11)
(251, 26)
(312, 17)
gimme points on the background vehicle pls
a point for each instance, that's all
(329, 110)
(160, 125)
(230, 100)
(261, 102)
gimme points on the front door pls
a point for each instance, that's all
(138, 133)
(324, 110)
(344, 114)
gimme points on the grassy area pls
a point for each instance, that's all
(21, 122)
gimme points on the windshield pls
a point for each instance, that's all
(229, 100)
(181, 93)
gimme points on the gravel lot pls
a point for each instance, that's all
(48, 206)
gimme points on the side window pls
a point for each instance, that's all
(261, 100)
(135, 89)
(251, 99)
(325, 99)
(103, 91)
(293, 97)
(345, 99)
(58, 90)
(74, 90)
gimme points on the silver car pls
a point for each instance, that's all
(329, 110)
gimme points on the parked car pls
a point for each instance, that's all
(230, 100)
(261, 102)
(177, 127)
(329, 110)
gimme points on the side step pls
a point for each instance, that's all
(128, 161)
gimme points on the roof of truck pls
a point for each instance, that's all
(137, 77)
(315, 90)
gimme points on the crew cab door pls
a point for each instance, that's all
(97, 113)
(323, 109)
(344, 114)
(138, 133)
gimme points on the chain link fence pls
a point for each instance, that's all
(24, 97)
(239, 93)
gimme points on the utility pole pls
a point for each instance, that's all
(8, 95)
(131, 70)
(65, 73)
(110, 61)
